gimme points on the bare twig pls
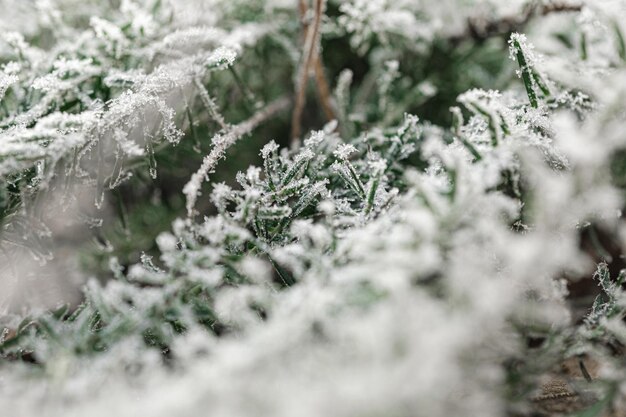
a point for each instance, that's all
(311, 61)
(323, 89)
(303, 7)
(481, 29)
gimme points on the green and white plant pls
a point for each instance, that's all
(415, 252)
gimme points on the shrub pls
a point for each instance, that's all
(418, 238)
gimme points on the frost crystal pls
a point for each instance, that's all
(221, 58)
(344, 151)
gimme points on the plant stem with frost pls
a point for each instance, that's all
(221, 142)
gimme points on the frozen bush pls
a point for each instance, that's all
(421, 240)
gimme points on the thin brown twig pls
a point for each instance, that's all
(303, 7)
(481, 29)
(302, 76)
(310, 59)
(323, 89)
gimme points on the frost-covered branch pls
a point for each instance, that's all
(221, 142)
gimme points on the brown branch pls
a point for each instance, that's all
(311, 61)
(481, 29)
(303, 7)
(323, 89)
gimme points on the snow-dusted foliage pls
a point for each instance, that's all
(422, 250)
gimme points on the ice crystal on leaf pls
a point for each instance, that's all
(6, 80)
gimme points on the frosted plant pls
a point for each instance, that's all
(425, 244)
(108, 91)
(221, 143)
